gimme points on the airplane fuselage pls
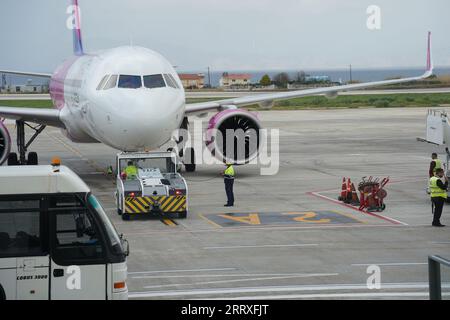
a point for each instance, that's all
(129, 98)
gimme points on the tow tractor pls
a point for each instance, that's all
(154, 188)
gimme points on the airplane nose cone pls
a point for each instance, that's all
(147, 124)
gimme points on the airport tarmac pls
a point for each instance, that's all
(287, 237)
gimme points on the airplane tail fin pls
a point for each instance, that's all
(429, 70)
(74, 11)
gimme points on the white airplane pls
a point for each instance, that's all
(131, 98)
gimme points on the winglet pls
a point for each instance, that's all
(77, 43)
(429, 70)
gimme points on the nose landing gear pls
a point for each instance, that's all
(22, 145)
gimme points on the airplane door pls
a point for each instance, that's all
(78, 265)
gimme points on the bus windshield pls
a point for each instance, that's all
(110, 229)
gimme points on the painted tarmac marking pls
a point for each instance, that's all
(252, 218)
(389, 264)
(334, 295)
(306, 275)
(379, 216)
(240, 219)
(219, 275)
(183, 270)
(298, 288)
(263, 246)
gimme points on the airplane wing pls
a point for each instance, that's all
(26, 73)
(37, 115)
(42, 116)
(267, 99)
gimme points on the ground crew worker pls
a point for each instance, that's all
(131, 171)
(438, 190)
(434, 164)
(228, 178)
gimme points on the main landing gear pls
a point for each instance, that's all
(185, 153)
(15, 159)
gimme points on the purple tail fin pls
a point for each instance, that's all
(76, 29)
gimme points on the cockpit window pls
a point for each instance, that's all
(129, 81)
(102, 82)
(170, 81)
(154, 81)
(111, 82)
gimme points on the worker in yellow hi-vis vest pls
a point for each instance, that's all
(434, 165)
(228, 178)
(438, 189)
(131, 171)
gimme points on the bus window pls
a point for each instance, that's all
(76, 238)
(20, 228)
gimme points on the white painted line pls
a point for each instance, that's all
(219, 275)
(389, 264)
(377, 215)
(194, 292)
(245, 280)
(440, 242)
(264, 246)
(334, 295)
(183, 270)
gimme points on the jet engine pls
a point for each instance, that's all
(5, 143)
(233, 136)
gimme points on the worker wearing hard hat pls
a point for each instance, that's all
(131, 171)
(434, 164)
(228, 178)
(438, 189)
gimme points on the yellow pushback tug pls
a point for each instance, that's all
(148, 183)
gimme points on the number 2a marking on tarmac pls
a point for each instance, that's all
(252, 218)
(306, 217)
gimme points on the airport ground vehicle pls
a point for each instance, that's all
(156, 189)
(56, 241)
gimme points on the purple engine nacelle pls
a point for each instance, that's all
(5, 143)
(235, 130)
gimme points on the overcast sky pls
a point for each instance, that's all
(231, 34)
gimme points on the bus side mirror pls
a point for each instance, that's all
(125, 245)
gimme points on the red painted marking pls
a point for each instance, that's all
(393, 221)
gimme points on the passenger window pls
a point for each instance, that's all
(76, 238)
(111, 82)
(154, 81)
(20, 228)
(130, 82)
(102, 82)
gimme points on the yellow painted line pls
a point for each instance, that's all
(305, 216)
(209, 221)
(252, 218)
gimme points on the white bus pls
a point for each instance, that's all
(56, 241)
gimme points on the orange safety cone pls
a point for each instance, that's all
(348, 196)
(343, 190)
(355, 199)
